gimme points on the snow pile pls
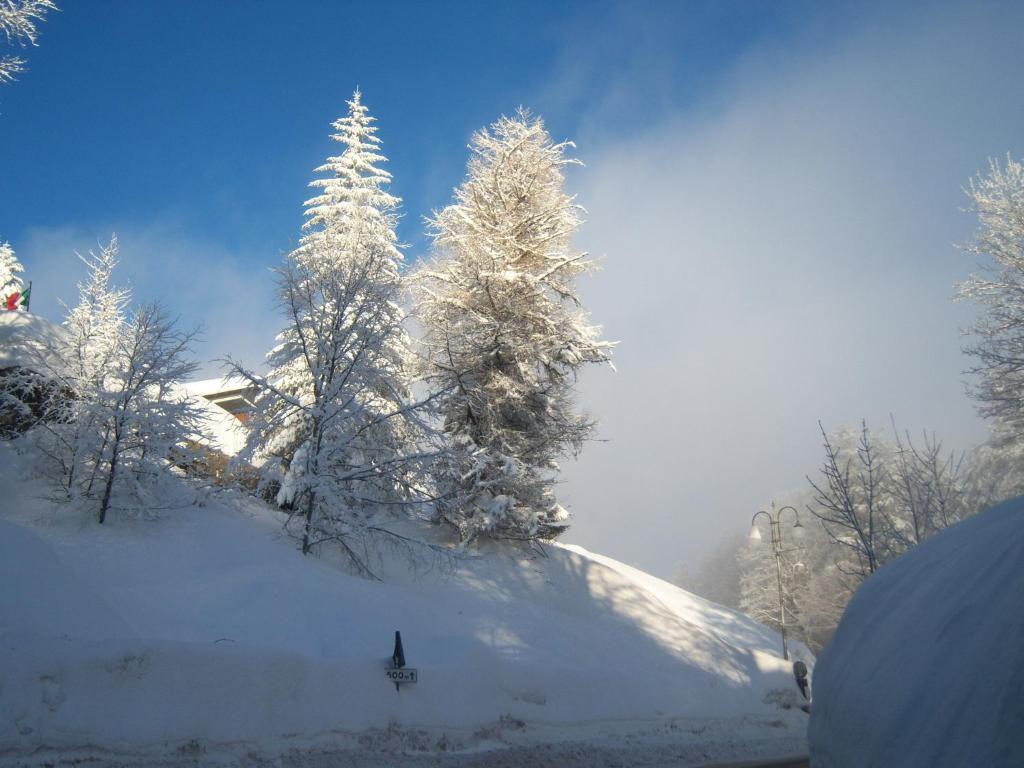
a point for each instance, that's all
(927, 666)
(204, 631)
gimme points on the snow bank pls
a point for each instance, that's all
(927, 666)
(207, 628)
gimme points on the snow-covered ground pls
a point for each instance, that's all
(926, 669)
(203, 634)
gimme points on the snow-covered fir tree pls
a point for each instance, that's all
(10, 269)
(335, 424)
(505, 333)
(117, 421)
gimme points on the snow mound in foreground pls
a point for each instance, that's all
(205, 629)
(927, 666)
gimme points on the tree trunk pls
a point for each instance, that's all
(308, 527)
(114, 456)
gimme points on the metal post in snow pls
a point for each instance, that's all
(776, 542)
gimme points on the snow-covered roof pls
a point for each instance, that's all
(25, 339)
(211, 387)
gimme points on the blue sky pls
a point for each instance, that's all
(774, 190)
(215, 113)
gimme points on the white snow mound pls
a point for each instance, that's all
(927, 665)
(206, 627)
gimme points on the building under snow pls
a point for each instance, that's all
(226, 404)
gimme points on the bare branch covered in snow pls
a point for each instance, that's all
(18, 19)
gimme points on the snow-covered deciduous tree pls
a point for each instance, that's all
(878, 498)
(117, 422)
(18, 19)
(998, 199)
(335, 424)
(850, 501)
(505, 334)
(929, 490)
(10, 267)
(146, 424)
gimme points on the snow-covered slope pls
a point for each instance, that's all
(926, 668)
(205, 627)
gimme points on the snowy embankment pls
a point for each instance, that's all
(926, 668)
(204, 632)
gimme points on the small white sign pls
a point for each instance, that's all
(406, 675)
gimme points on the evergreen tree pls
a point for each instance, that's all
(9, 269)
(334, 423)
(505, 334)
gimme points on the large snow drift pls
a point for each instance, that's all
(205, 630)
(927, 666)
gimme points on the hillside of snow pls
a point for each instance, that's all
(203, 632)
(926, 669)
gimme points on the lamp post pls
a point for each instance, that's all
(774, 519)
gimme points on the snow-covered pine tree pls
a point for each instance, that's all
(10, 281)
(335, 424)
(505, 333)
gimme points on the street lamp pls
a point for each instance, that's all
(774, 518)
